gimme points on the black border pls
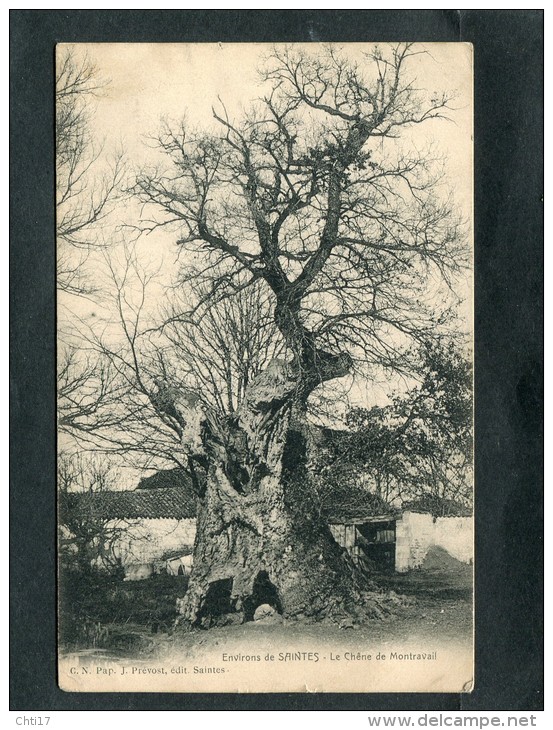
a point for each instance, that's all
(508, 52)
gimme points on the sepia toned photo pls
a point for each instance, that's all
(265, 386)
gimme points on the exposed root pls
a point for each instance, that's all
(367, 606)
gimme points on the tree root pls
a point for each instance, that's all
(368, 605)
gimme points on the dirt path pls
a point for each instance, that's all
(423, 646)
(441, 613)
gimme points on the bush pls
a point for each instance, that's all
(147, 602)
(93, 604)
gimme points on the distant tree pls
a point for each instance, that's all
(89, 565)
(87, 538)
(220, 346)
(116, 391)
(368, 455)
(87, 186)
(421, 444)
(438, 427)
(87, 391)
(84, 195)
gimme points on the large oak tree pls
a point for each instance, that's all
(315, 195)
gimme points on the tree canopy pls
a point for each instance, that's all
(420, 445)
(84, 194)
(312, 228)
(305, 193)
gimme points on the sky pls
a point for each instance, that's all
(150, 81)
(147, 82)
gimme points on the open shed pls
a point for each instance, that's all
(398, 539)
(364, 524)
(160, 525)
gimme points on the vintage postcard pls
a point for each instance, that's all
(265, 388)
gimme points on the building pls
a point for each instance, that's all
(399, 539)
(155, 526)
(150, 530)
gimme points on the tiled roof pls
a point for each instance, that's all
(166, 478)
(438, 506)
(174, 502)
(338, 505)
(353, 504)
(180, 503)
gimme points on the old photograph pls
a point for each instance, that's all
(265, 367)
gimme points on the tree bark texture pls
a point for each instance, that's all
(260, 538)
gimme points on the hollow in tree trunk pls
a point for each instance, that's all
(260, 537)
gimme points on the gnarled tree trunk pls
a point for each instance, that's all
(260, 537)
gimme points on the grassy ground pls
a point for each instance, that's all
(106, 612)
(435, 622)
(439, 610)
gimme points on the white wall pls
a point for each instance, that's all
(455, 534)
(414, 535)
(416, 532)
(144, 541)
